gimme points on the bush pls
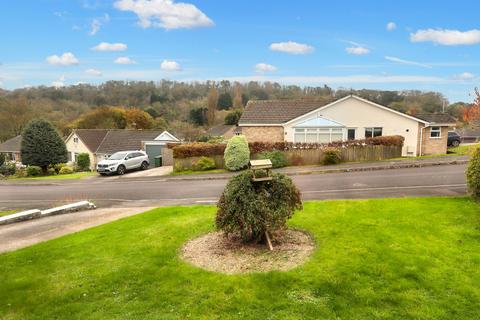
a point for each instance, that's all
(83, 162)
(204, 163)
(34, 171)
(232, 117)
(66, 170)
(473, 174)
(331, 156)
(8, 169)
(277, 157)
(59, 167)
(51, 172)
(21, 173)
(237, 154)
(250, 209)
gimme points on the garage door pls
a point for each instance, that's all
(153, 150)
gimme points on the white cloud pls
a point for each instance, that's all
(264, 67)
(105, 46)
(447, 37)
(66, 59)
(59, 83)
(124, 60)
(402, 61)
(291, 47)
(93, 72)
(169, 65)
(165, 14)
(357, 50)
(391, 26)
(97, 23)
(465, 76)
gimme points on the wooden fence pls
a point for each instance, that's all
(299, 157)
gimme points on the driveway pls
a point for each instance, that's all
(19, 235)
(152, 172)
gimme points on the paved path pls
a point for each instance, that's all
(19, 235)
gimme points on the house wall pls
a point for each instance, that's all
(434, 145)
(263, 134)
(357, 114)
(79, 147)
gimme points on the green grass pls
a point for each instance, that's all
(73, 176)
(187, 172)
(463, 150)
(6, 213)
(375, 259)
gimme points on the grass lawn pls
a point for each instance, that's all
(463, 150)
(375, 259)
(5, 213)
(73, 176)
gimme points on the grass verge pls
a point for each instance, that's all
(73, 176)
(188, 172)
(6, 213)
(375, 259)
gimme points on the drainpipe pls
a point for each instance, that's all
(421, 138)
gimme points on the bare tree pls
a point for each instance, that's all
(212, 104)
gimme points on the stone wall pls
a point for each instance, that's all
(434, 145)
(167, 156)
(263, 134)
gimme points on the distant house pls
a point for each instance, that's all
(101, 143)
(348, 118)
(223, 130)
(11, 148)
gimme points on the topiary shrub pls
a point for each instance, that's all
(204, 163)
(66, 170)
(83, 162)
(473, 174)
(237, 153)
(34, 171)
(249, 208)
(331, 156)
(277, 157)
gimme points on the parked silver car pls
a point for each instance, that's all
(122, 161)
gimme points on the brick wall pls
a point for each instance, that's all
(434, 145)
(263, 134)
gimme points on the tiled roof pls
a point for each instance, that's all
(11, 145)
(433, 118)
(220, 130)
(278, 111)
(120, 140)
(92, 138)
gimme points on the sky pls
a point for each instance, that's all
(392, 45)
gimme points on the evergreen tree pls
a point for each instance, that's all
(42, 145)
(225, 101)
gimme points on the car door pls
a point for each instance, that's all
(139, 159)
(130, 161)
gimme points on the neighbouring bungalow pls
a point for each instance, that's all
(223, 130)
(101, 143)
(11, 149)
(348, 118)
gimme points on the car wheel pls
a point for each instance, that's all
(103, 174)
(144, 165)
(455, 143)
(121, 170)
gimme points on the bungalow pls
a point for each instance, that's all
(348, 118)
(11, 148)
(101, 143)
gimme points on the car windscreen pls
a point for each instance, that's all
(117, 156)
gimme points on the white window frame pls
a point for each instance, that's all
(439, 131)
(373, 131)
(304, 133)
(75, 139)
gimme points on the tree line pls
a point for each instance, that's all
(186, 108)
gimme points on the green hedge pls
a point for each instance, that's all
(473, 174)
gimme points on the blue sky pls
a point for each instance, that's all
(424, 45)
